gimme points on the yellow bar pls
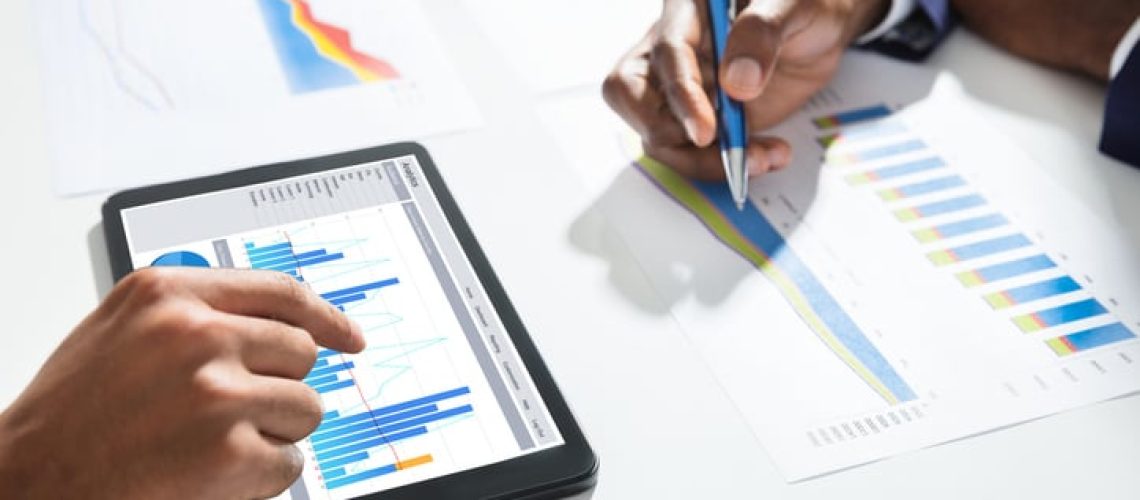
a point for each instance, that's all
(890, 194)
(907, 215)
(412, 462)
(942, 257)
(971, 279)
(926, 235)
(1059, 347)
(999, 300)
(1027, 323)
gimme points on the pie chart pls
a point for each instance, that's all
(181, 259)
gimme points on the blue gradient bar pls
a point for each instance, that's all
(253, 251)
(390, 428)
(330, 415)
(386, 410)
(324, 353)
(320, 372)
(321, 362)
(322, 380)
(940, 207)
(877, 153)
(853, 116)
(332, 474)
(1069, 313)
(364, 445)
(374, 423)
(340, 301)
(1041, 290)
(960, 228)
(1097, 337)
(271, 255)
(360, 476)
(327, 388)
(980, 249)
(896, 171)
(923, 188)
(295, 263)
(278, 261)
(1006, 270)
(362, 288)
(345, 460)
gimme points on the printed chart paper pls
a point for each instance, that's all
(143, 92)
(911, 279)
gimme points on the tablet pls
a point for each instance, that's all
(450, 399)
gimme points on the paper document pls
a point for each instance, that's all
(911, 279)
(555, 46)
(142, 92)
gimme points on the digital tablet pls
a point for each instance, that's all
(450, 399)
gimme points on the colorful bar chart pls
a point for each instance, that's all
(959, 228)
(922, 188)
(1060, 315)
(282, 257)
(895, 171)
(852, 117)
(940, 207)
(751, 235)
(1089, 339)
(345, 446)
(1006, 270)
(1030, 293)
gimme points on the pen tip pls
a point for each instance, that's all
(740, 205)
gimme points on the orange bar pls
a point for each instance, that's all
(412, 462)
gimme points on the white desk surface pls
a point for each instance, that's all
(657, 418)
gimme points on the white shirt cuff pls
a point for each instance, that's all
(899, 11)
(1120, 56)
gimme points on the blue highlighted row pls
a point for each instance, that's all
(374, 431)
(372, 423)
(386, 410)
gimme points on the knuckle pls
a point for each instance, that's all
(195, 327)
(151, 283)
(665, 49)
(215, 386)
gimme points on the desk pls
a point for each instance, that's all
(616, 360)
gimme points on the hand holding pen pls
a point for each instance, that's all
(778, 54)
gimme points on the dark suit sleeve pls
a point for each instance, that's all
(1120, 138)
(917, 36)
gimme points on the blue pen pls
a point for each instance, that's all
(732, 129)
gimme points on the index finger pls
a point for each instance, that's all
(276, 296)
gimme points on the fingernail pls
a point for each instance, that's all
(357, 333)
(690, 125)
(743, 74)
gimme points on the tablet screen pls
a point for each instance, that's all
(439, 389)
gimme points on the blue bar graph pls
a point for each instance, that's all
(327, 379)
(321, 362)
(324, 353)
(922, 188)
(361, 289)
(345, 460)
(1006, 270)
(385, 410)
(896, 171)
(381, 431)
(327, 388)
(860, 132)
(254, 251)
(1090, 339)
(979, 249)
(372, 443)
(960, 228)
(1060, 315)
(1029, 293)
(940, 207)
(327, 370)
(332, 474)
(345, 299)
(360, 476)
(369, 423)
(852, 117)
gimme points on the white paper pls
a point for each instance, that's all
(971, 368)
(140, 92)
(559, 45)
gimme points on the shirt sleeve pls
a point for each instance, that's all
(911, 30)
(1120, 137)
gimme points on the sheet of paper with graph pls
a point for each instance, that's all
(143, 92)
(911, 279)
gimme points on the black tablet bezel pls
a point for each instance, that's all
(562, 470)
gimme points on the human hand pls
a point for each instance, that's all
(779, 53)
(182, 383)
(1071, 34)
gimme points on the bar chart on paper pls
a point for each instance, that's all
(917, 294)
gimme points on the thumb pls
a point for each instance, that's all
(754, 45)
